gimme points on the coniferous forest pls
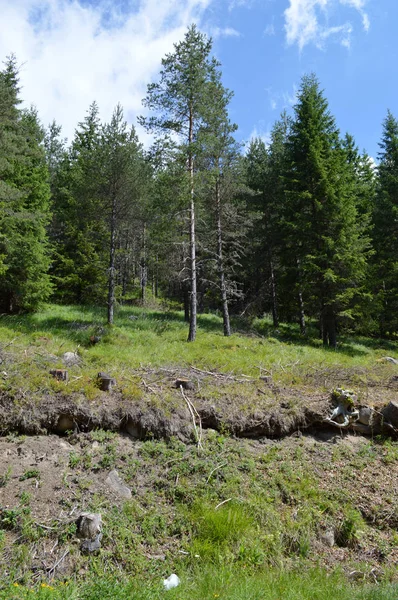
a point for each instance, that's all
(303, 228)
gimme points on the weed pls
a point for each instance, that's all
(31, 474)
(4, 479)
(74, 460)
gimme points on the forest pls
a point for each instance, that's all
(303, 228)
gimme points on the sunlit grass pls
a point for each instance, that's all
(152, 338)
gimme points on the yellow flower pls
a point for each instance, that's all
(15, 584)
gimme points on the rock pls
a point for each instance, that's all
(71, 359)
(184, 383)
(89, 525)
(117, 484)
(365, 415)
(390, 413)
(91, 546)
(327, 537)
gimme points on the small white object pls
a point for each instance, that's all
(171, 582)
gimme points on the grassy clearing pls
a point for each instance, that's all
(155, 338)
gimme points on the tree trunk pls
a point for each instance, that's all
(220, 261)
(143, 278)
(275, 316)
(112, 271)
(329, 327)
(303, 329)
(192, 240)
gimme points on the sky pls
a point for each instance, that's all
(72, 52)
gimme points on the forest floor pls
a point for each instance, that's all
(235, 481)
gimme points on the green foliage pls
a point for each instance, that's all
(24, 201)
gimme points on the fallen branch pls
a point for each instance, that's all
(223, 502)
(215, 469)
(58, 563)
(194, 414)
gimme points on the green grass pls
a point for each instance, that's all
(152, 338)
(213, 584)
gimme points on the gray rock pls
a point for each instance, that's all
(91, 546)
(71, 358)
(365, 415)
(117, 484)
(89, 525)
(327, 537)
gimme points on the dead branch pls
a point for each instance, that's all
(223, 502)
(194, 415)
(216, 469)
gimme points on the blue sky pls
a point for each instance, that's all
(75, 51)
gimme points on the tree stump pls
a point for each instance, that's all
(184, 383)
(60, 374)
(390, 413)
(106, 382)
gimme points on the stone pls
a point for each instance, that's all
(91, 546)
(365, 415)
(116, 483)
(89, 525)
(71, 359)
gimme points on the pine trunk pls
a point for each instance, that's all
(303, 329)
(275, 316)
(192, 240)
(112, 270)
(220, 261)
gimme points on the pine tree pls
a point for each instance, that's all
(24, 201)
(182, 100)
(219, 163)
(123, 185)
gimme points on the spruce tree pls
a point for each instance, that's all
(385, 234)
(24, 201)
(326, 245)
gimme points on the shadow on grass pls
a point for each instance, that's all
(78, 323)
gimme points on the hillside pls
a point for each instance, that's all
(235, 481)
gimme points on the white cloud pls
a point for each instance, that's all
(264, 135)
(307, 21)
(75, 53)
(217, 32)
(360, 6)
